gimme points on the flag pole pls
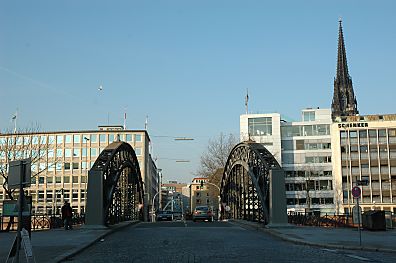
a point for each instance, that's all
(247, 101)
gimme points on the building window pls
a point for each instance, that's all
(76, 152)
(138, 138)
(67, 152)
(68, 138)
(299, 144)
(260, 126)
(94, 152)
(128, 137)
(77, 138)
(138, 151)
(93, 138)
(309, 116)
(102, 138)
(59, 139)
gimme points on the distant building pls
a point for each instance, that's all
(66, 157)
(200, 194)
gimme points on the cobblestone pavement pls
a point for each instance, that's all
(211, 242)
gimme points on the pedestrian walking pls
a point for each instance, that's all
(67, 214)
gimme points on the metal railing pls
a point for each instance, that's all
(38, 222)
(309, 219)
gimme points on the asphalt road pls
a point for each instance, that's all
(211, 242)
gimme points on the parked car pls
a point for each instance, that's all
(165, 216)
(202, 213)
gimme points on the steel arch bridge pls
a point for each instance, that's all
(122, 188)
(245, 182)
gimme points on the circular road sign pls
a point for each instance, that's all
(356, 192)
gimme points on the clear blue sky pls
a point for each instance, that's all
(187, 65)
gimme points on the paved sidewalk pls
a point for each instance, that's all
(341, 238)
(56, 245)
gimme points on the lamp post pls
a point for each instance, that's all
(152, 207)
(86, 171)
(218, 198)
(56, 199)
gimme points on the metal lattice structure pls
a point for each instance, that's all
(245, 182)
(122, 183)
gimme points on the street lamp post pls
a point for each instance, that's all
(152, 207)
(219, 200)
(86, 171)
(56, 199)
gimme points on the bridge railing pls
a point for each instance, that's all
(38, 222)
(307, 219)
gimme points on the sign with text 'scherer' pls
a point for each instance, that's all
(356, 192)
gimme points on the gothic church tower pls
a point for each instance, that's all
(344, 100)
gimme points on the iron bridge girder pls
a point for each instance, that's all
(123, 189)
(245, 181)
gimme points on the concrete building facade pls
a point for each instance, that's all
(62, 161)
(364, 154)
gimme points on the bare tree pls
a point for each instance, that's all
(216, 154)
(20, 145)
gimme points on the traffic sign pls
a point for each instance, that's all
(356, 192)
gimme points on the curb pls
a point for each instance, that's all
(73, 252)
(276, 234)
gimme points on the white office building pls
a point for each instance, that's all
(303, 149)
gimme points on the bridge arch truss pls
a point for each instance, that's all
(123, 189)
(245, 182)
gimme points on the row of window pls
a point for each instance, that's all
(68, 138)
(260, 126)
(308, 173)
(313, 201)
(318, 159)
(305, 130)
(58, 153)
(370, 133)
(288, 145)
(315, 185)
(58, 179)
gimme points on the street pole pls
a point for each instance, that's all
(360, 230)
(20, 204)
(86, 173)
(152, 207)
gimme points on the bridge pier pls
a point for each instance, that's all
(94, 215)
(277, 199)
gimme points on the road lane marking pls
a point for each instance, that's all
(357, 257)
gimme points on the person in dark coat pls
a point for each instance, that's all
(67, 214)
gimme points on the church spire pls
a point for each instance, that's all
(344, 101)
